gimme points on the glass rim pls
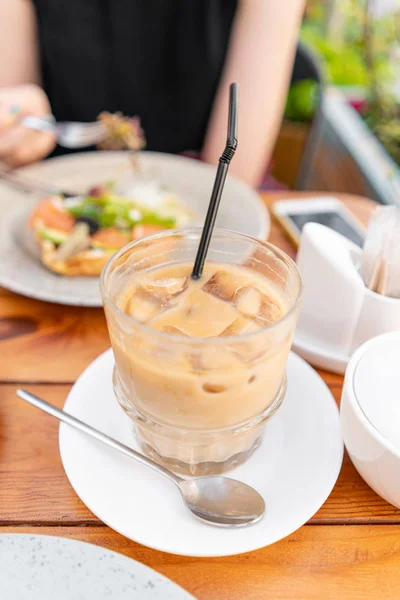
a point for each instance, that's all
(164, 335)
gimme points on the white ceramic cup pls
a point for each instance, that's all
(370, 414)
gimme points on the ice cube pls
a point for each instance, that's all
(270, 311)
(143, 306)
(213, 359)
(207, 316)
(248, 301)
(251, 350)
(174, 330)
(222, 285)
(240, 325)
(164, 287)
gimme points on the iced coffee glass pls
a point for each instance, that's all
(200, 366)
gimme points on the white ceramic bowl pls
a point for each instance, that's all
(370, 414)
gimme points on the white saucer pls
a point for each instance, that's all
(320, 356)
(41, 567)
(295, 468)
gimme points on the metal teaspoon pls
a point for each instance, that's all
(215, 500)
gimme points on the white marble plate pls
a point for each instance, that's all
(241, 210)
(295, 468)
(40, 567)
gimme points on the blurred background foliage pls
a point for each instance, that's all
(358, 45)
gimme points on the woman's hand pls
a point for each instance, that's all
(19, 145)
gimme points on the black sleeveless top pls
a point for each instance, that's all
(158, 59)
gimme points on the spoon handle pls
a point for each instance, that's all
(98, 435)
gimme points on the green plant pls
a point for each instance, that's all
(342, 65)
(354, 42)
(388, 131)
(357, 47)
(301, 100)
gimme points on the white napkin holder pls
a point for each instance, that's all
(339, 313)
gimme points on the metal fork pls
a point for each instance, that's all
(69, 134)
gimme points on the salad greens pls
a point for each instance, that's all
(110, 210)
(52, 235)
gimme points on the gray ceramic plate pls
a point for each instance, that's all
(40, 567)
(21, 271)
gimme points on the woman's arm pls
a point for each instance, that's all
(19, 54)
(260, 59)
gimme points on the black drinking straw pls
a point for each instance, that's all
(223, 165)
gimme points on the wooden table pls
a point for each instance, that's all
(349, 549)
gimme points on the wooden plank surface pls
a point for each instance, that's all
(314, 563)
(34, 488)
(351, 547)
